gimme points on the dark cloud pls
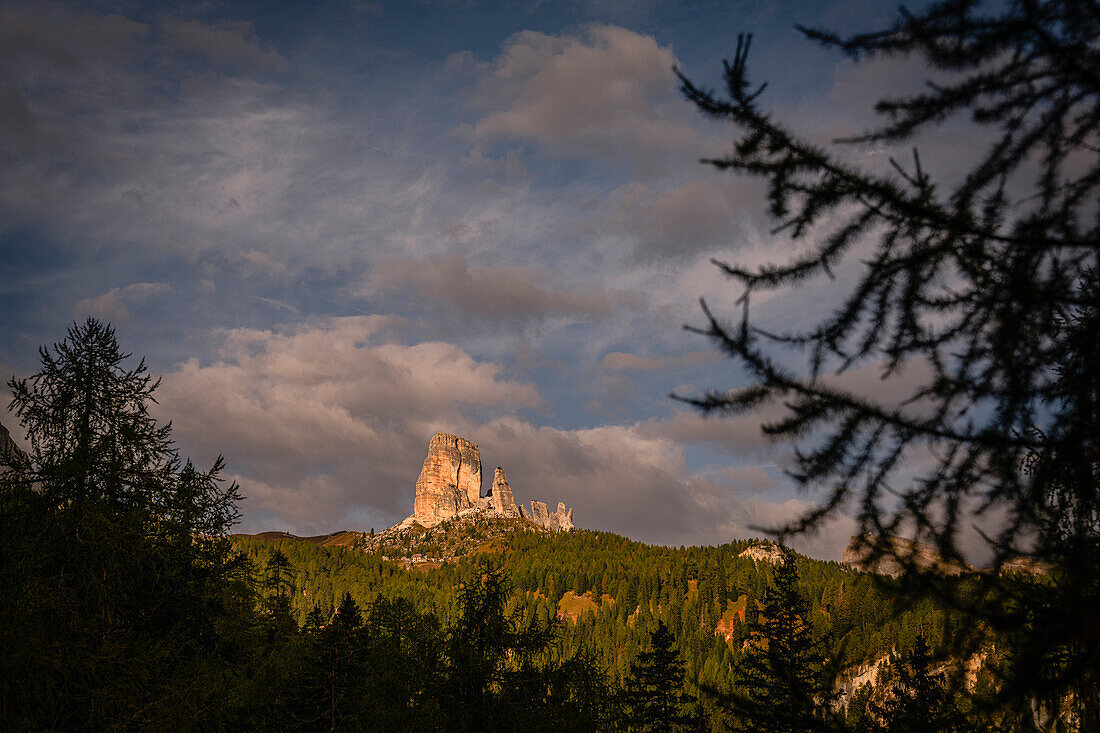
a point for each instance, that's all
(225, 42)
(515, 295)
(50, 33)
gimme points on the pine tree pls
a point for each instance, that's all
(784, 683)
(120, 588)
(654, 691)
(493, 679)
(918, 699)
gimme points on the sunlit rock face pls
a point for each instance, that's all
(503, 502)
(562, 519)
(767, 552)
(450, 485)
(450, 481)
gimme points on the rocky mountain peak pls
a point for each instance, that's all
(450, 480)
(450, 485)
(503, 502)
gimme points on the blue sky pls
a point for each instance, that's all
(339, 227)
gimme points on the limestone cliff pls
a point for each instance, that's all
(891, 555)
(449, 482)
(560, 520)
(768, 552)
(450, 485)
(503, 502)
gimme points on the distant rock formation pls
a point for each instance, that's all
(450, 485)
(768, 552)
(450, 481)
(562, 519)
(503, 502)
(894, 554)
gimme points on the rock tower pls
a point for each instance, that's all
(450, 481)
(450, 484)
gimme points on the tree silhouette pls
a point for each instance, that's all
(785, 684)
(493, 681)
(120, 588)
(989, 286)
(918, 699)
(655, 693)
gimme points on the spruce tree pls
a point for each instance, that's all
(121, 592)
(784, 682)
(918, 699)
(654, 693)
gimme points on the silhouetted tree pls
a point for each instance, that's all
(989, 285)
(918, 699)
(654, 691)
(784, 683)
(494, 682)
(121, 593)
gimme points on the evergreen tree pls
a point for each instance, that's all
(784, 683)
(654, 692)
(121, 593)
(989, 286)
(918, 699)
(342, 646)
(494, 682)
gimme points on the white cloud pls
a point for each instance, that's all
(115, 304)
(330, 406)
(327, 425)
(610, 92)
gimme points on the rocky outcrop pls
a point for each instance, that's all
(565, 517)
(768, 552)
(449, 482)
(560, 520)
(1025, 565)
(891, 555)
(450, 485)
(500, 494)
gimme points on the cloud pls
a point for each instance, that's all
(618, 361)
(514, 295)
(115, 304)
(50, 33)
(326, 425)
(329, 417)
(620, 479)
(609, 93)
(706, 215)
(226, 42)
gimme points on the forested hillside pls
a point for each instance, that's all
(611, 592)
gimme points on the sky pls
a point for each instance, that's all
(336, 228)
